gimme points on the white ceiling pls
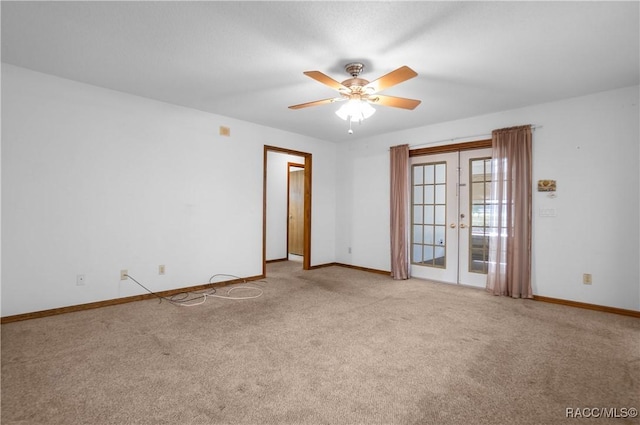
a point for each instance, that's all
(246, 59)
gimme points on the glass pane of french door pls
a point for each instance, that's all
(429, 209)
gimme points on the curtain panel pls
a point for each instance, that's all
(399, 170)
(509, 271)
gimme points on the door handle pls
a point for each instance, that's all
(452, 225)
(462, 225)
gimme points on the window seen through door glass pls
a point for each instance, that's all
(480, 177)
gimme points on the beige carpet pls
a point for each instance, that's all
(328, 346)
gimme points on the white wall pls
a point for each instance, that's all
(95, 181)
(277, 196)
(589, 145)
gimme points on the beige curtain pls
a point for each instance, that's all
(399, 212)
(509, 271)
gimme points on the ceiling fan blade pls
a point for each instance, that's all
(315, 103)
(325, 79)
(396, 102)
(401, 74)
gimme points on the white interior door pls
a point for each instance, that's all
(475, 185)
(434, 212)
(449, 216)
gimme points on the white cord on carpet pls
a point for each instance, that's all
(186, 301)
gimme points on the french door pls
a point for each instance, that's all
(450, 214)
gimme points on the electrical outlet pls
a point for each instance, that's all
(586, 279)
(80, 280)
(123, 275)
(161, 269)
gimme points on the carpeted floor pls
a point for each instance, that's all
(327, 346)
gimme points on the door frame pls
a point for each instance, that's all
(308, 160)
(289, 166)
(455, 147)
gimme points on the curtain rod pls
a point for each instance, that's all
(533, 128)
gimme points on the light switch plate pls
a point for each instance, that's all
(547, 212)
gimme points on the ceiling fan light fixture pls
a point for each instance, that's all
(355, 110)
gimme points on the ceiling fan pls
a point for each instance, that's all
(361, 93)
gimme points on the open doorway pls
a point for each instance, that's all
(275, 234)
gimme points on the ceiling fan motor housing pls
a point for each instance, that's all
(354, 68)
(355, 84)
